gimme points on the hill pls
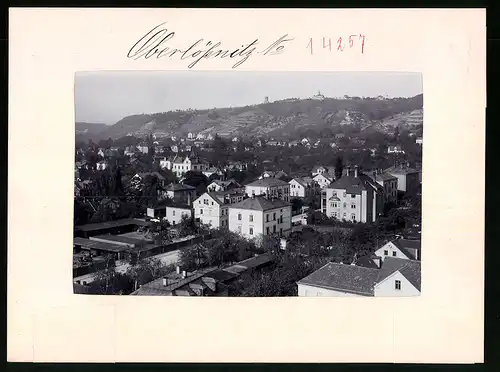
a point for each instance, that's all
(85, 131)
(280, 119)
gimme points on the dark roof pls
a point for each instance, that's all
(179, 187)
(355, 185)
(362, 280)
(346, 278)
(152, 174)
(367, 261)
(216, 197)
(221, 275)
(260, 203)
(97, 245)
(81, 289)
(400, 169)
(256, 261)
(119, 239)
(266, 182)
(385, 177)
(407, 246)
(111, 224)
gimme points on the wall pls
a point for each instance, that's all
(174, 215)
(390, 248)
(297, 190)
(386, 288)
(348, 200)
(311, 291)
(211, 211)
(245, 223)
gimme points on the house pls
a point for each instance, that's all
(327, 171)
(174, 148)
(389, 183)
(304, 141)
(102, 165)
(191, 136)
(269, 186)
(293, 143)
(394, 277)
(322, 180)
(180, 193)
(176, 212)
(209, 282)
(212, 170)
(260, 215)
(209, 137)
(159, 149)
(100, 152)
(180, 166)
(302, 187)
(408, 178)
(395, 150)
(419, 141)
(129, 151)
(212, 210)
(219, 185)
(354, 197)
(275, 174)
(143, 147)
(400, 248)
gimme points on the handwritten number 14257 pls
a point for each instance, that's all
(340, 44)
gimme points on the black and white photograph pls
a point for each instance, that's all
(248, 184)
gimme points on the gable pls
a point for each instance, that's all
(391, 247)
(386, 287)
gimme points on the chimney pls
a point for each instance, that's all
(184, 274)
(347, 169)
(178, 269)
(356, 171)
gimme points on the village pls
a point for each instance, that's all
(205, 215)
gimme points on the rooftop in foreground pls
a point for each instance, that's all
(112, 224)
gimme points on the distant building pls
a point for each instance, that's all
(260, 215)
(181, 193)
(303, 187)
(143, 147)
(176, 212)
(395, 150)
(389, 183)
(408, 178)
(394, 278)
(318, 97)
(211, 210)
(322, 180)
(219, 185)
(266, 100)
(271, 186)
(419, 141)
(102, 165)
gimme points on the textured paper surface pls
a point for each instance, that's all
(47, 323)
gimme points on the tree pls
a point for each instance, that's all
(108, 281)
(297, 204)
(339, 166)
(196, 179)
(147, 270)
(193, 257)
(160, 232)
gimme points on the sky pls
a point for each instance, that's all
(106, 97)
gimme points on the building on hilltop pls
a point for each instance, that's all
(392, 277)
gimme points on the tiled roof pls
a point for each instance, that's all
(362, 280)
(265, 182)
(385, 177)
(179, 187)
(407, 246)
(152, 174)
(400, 169)
(260, 203)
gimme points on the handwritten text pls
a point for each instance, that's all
(154, 44)
(354, 41)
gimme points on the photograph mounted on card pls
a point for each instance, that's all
(253, 185)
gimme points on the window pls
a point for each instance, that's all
(353, 216)
(386, 253)
(205, 201)
(267, 218)
(353, 206)
(281, 231)
(212, 203)
(397, 285)
(344, 194)
(239, 216)
(334, 214)
(274, 216)
(281, 210)
(250, 231)
(281, 219)
(173, 213)
(394, 254)
(345, 205)
(250, 218)
(353, 196)
(239, 228)
(274, 228)
(201, 210)
(267, 230)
